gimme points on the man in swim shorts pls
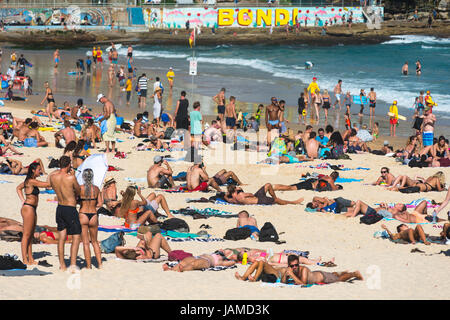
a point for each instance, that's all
(337, 93)
(428, 131)
(272, 118)
(322, 183)
(223, 176)
(198, 180)
(408, 234)
(383, 210)
(245, 221)
(67, 190)
(158, 176)
(220, 100)
(230, 114)
(238, 196)
(302, 275)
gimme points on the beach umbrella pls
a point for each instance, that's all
(98, 164)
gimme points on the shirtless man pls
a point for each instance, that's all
(140, 129)
(282, 106)
(64, 136)
(56, 57)
(408, 234)
(302, 275)
(244, 220)
(220, 100)
(342, 205)
(405, 69)
(323, 183)
(67, 190)
(418, 215)
(21, 128)
(312, 146)
(34, 133)
(428, 131)
(238, 196)
(223, 176)
(383, 209)
(230, 114)
(198, 180)
(109, 114)
(158, 176)
(372, 104)
(305, 135)
(272, 118)
(337, 93)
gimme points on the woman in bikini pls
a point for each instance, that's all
(148, 247)
(279, 259)
(261, 267)
(30, 202)
(18, 169)
(439, 151)
(204, 261)
(50, 100)
(79, 154)
(91, 199)
(434, 183)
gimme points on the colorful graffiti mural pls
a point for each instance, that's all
(257, 17)
(71, 15)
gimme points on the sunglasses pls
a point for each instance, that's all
(383, 171)
(296, 265)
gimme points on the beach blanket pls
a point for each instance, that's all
(415, 203)
(219, 268)
(21, 273)
(326, 165)
(4, 181)
(208, 212)
(338, 180)
(115, 229)
(175, 160)
(175, 236)
(162, 258)
(51, 191)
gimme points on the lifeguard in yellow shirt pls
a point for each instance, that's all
(312, 88)
(170, 76)
(393, 117)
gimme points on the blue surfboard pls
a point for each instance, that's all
(357, 100)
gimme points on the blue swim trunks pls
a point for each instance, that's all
(427, 138)
(274, 122)
(252, 228)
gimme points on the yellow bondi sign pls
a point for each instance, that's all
(255, 17)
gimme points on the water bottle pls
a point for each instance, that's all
(244, 259)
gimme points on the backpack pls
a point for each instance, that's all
(237, 234)
(168, 133)
(175, 224)
(8, 263)
(268, 233)
(54, 163)
(370, 218)
(109, 244)
(178, 255)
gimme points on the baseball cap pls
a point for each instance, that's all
(157, 159)
(314, 78)
(101, 95)
(386, 143)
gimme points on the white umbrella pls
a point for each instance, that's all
(98, 164)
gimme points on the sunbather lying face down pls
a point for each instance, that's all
(238, 196)
(148, 247)
(203, 261)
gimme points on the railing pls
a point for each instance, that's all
(172, 3)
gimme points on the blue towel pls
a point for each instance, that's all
(182, 174)
(343, 180)
(48, 192)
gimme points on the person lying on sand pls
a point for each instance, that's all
(383, 209)
(323, 183)
(158, 176)
(408, 234)
(17, 167)
(204, 261)
(156, 143)
(42, 234)
(237, 196)
(197, 179)
(223, 176)
(386, 178)
(7, 145)
(407, 185)
(302, 275)
(148, 247)
(342, 205)
(418, 215)
(245, 221)
(263, 271)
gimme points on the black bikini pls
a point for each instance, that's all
(35, 192)
(89, 215)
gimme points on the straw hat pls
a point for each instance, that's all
(109, 181)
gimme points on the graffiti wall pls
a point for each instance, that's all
(253, 17)
(71, 15)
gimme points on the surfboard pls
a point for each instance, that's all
(357, 100)
(390, 114)
(72, 73)
(2, 103)
(118, 46)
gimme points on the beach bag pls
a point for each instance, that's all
(104, 211)
(168, 133)
(8, 263)
(30, 143)
(54, 163)
(370, 218)
(109, 244)
(178, 255)
(175, 224)
(237, 234)
(268, 233)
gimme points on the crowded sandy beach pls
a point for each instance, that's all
(140, 189)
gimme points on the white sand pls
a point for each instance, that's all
(392, 272)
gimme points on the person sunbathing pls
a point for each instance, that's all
(302, 275)
(34, 133)
(109, 193)
(323, 203)
(408, 234)
(156, 143)
(386, 178)
(238, 196)
(323, 183)
(43, 234)
(17, 167)
(140, 129)
(7, 146)
(263, 271)
(158, 176)
(383, 210)
(148, 247)
(223, 176)
(204, 261)
(418, 215)
(279, 259)
(245, 221)
(434, 183)
(197, 179)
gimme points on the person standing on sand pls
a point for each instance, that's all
(109, 114)
(393, 120)
(67, 190)
(312, 88)
(181, 112)
(170, 77)
(272, 118)
(337, 93)
(50, 100)
(219, 99)
(230, 114)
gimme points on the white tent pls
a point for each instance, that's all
(98, 164)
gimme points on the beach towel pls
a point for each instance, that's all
(384, 235)
(51, 191)
(415, 203)
(162, 258)
(218, 268)
(392, 219)
(208, 212)
(288, 285)
(21, 273)
(4, 181)
(223, 202)
(344, 180)
(135, 180)
(98, 164)
(115, 229)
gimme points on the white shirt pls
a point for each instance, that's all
(156, 85)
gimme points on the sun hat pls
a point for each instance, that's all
(101, 95)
